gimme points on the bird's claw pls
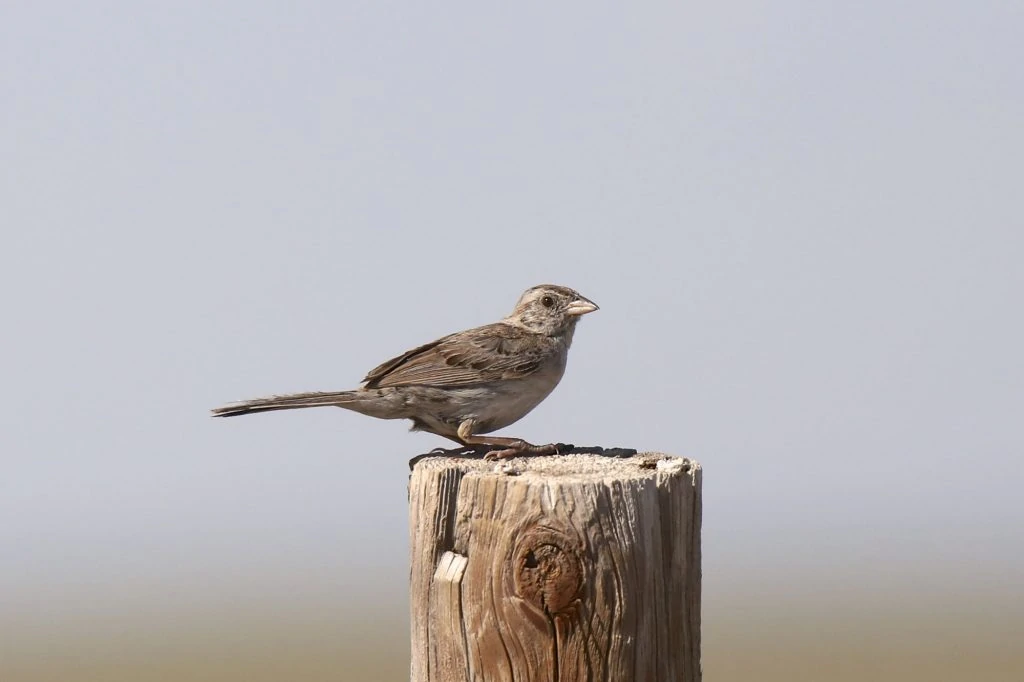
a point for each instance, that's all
(524, 450)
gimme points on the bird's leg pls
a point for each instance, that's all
(510, 447)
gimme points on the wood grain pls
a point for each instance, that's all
(555, 569)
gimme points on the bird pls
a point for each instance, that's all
(466, 385)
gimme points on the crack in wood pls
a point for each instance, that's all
(581, 568)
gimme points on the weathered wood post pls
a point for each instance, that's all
(572, 568)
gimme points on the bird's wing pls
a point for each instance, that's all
(495, 351)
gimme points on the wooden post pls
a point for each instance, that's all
(572, 568)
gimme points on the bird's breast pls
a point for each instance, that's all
(509, 401)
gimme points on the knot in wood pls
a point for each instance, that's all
(548, 569)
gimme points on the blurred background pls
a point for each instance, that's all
(802, 221)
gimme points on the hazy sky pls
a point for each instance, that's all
(802, 222)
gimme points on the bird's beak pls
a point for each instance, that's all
(581, 306)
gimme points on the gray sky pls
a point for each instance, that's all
(802, 221)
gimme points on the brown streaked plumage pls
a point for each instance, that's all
(466, 384)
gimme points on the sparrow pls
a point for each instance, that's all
(468, 384)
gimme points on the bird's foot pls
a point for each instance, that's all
(464, 451)
(450, 452)
(524, 449)
(520, 448)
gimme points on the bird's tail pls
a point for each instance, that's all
(286, 402)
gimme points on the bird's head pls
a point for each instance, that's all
(550, 309)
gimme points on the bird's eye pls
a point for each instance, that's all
(547, 301)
